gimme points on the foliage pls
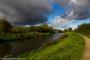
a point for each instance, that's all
(65, 30)
(23, 36)
(70, 29)
(41, 29)
(12, 33)
(4, 26)
(19, 29)
(84, 29)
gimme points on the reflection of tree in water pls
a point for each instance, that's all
(4, 49)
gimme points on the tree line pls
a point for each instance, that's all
(9, 32)
(6, 27)
(84, 29)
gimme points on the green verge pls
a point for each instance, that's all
(69, 48)
(85, 32)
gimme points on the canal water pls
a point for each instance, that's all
(18, 47)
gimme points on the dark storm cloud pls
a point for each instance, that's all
(76, 9)
(37, 11)
(25, 11)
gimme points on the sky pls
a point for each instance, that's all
(60, 14)
(55, 19)
(57, 11)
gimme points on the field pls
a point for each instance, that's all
(69, 48)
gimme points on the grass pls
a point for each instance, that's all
(85, 32)
(69, 48)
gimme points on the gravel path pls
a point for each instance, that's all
(86, 55)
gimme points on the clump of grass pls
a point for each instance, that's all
(70, 48)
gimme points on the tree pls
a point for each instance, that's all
(65, 30)
(5, 26)
(70, 29)
(45, 28)
(84, 26)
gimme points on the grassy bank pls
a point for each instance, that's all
(85, 32)
(84, 29)
(70, 48)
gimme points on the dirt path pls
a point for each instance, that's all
(86, 55)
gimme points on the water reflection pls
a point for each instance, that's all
(4, 49)
(56, 36)
(18, 47)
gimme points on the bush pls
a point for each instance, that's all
(84, 29)
(5, 26)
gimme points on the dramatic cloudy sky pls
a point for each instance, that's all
(59, 13)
